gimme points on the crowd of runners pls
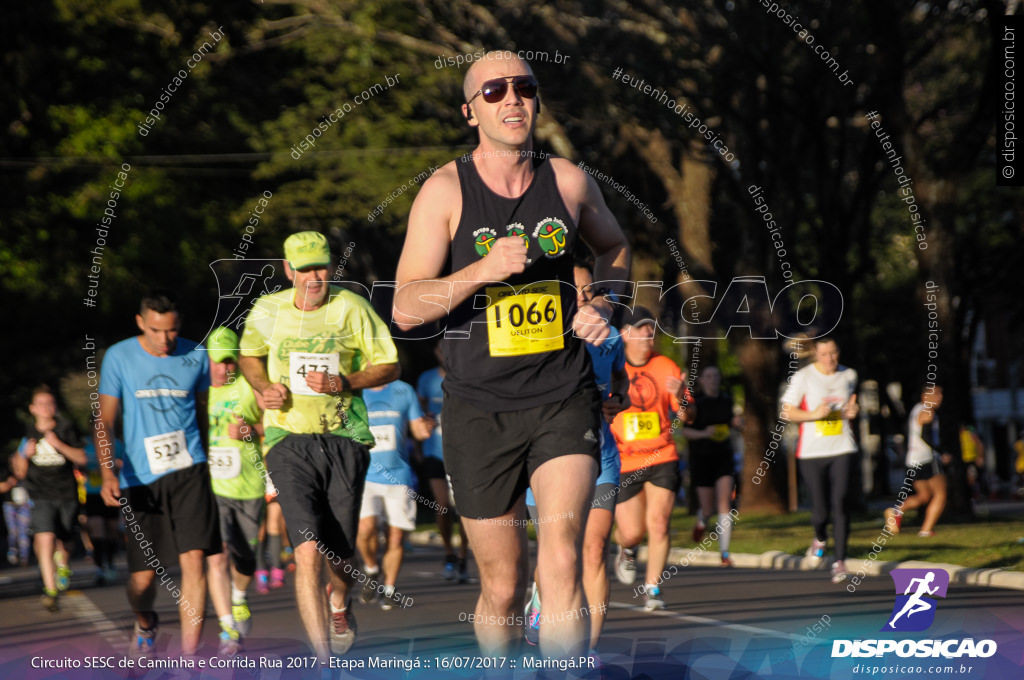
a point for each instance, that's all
(546, 403)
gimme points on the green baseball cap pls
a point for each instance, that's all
(223, 344)
(307, 249)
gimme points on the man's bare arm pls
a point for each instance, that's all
(103, 440)
(373, 375)
(255, 371)
(273, 395)
(423, 295)
(601, 232)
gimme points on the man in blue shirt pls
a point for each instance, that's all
(394, 412)
(158, 382)
(431, 393)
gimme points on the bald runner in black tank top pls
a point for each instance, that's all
(518, 350)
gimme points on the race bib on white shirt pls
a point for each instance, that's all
(301, 364)
(167, 452)
(385, 436)
(225, 462)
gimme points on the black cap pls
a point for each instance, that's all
(638, 316)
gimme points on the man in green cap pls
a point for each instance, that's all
(309, 351)
(238, 476)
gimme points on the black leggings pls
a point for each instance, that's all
(828, 479)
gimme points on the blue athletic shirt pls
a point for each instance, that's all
(93, 477)
(429, 387)
(390, 410)
(158, 405)
(610, 355)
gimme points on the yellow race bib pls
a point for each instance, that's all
(830, 427)
(527, 321)
(721, 433)
(641, 425)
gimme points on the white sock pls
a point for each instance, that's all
(724, 532)
(371, 571)
(389, 591)
(237, 596)
(227, 622)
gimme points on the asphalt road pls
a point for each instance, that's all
(719, 623)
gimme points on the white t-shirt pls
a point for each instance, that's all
(808, 389)
(918, 450)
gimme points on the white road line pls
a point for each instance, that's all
(82, 608)
(709, 622)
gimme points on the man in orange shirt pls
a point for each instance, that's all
(650, 473)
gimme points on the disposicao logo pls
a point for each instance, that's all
(914, 611)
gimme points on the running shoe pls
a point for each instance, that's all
(276, 578)
(343, 630)
(726, 560)
(49, 600)
(625, 566)
(463, 572)
(532, 630)
(925, 534)
(368, 593)
(839, 572)
(449, 568)
(652, 598)
(892, 518)
(230, 641)
(242, 616)
(388, 599)
(261, 581)
(816, 552)
(63, 577)
(144, 639)
(698, 532)
(101, 577)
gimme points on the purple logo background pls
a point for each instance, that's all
(912, 611)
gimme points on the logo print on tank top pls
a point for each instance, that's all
(517, 229)
(483, 240)
(646, 390)
(551, 234)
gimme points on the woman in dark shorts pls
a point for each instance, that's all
(711, 457)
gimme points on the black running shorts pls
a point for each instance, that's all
(664, 475)
(491, 456)
(54, 517)
(707, 469)
(170, 516)
(319, 479)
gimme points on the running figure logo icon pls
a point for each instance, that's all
(914, 610)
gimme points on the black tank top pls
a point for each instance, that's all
(510, 346)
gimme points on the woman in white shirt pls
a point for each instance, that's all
(822, 397)
(924, 465)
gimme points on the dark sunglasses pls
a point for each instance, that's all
(494, 91)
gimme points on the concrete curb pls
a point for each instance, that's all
(776, 559)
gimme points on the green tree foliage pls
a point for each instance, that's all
(85, 74)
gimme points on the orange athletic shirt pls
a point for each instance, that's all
(644, 430)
